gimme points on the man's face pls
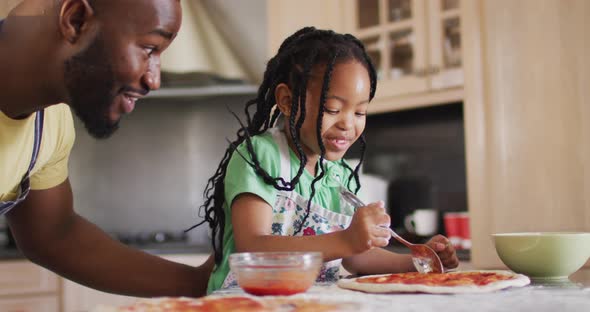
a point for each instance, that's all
(122, 63)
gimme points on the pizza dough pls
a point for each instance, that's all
(445, 283)
(231, 303)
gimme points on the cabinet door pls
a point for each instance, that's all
(394, 33)
(80, 298)
(76, 298)
(6, 6)
(287, 16)
(32, 304)
(23, 277)
(444, 37)
(527, 119)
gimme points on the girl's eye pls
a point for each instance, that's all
(361, 114)
(330, 111)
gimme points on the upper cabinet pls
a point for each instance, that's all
(284, 17)
(6, 6)
(414, 44)
(444, 39)
(394, 33)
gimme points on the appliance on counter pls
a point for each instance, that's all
(151, 238)
(147, 239)
(5, 235)
(162, 242)
(405, 195)
(373, 187)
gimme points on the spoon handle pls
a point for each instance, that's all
(357, 203)
(398, 238)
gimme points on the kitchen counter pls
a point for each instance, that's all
(187, 248)
(156, 249)
(184, 248)
(173, 248)
(10, 254)
(572, 295)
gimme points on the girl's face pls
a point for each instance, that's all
(345, 110)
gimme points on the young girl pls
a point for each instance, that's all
(278, 188)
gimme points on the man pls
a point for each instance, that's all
(99, 57)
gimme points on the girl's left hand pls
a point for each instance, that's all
(445, 250)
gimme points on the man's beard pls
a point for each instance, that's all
(89, 80)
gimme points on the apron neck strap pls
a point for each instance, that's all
(24, 186)
(281, 140)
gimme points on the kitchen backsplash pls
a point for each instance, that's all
(151, 174)
(421, 153)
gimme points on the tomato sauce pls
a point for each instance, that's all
(276, 281)
(230, 304)
(275, 290)
(438, 279)
(213, 305)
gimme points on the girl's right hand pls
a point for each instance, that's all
(366, 231)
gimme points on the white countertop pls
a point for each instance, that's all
(563, 297)
(530, 298)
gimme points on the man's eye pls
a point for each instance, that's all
(149, 50)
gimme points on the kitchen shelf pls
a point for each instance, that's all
(196, 92)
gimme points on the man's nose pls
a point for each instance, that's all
(152, 77)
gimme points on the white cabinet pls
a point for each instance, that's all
(46, 303)
(77, 298)
(287, 16)
(527, 119)
(6, 6)
(415, 46)
(395, 35)
(26, 287)
(444, 42)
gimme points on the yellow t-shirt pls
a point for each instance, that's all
(16, 148)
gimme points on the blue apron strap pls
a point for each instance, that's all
(25, 182)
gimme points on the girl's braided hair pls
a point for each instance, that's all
(292, 65)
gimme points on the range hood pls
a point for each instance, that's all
(220, 49)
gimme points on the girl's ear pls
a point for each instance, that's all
(283, 98)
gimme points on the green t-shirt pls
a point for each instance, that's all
(242, 178)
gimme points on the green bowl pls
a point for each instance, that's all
(545, 255)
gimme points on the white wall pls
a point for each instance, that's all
(151, 174)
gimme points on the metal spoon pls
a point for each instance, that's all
(424, 258)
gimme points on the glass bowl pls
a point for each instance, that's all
(275, 273)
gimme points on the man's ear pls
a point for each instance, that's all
(283, 97)
(74, 16)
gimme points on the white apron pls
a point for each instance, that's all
(289, 211)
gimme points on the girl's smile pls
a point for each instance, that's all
(337, 144)
(344, 111)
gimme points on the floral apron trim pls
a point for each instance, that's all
(289, 212)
